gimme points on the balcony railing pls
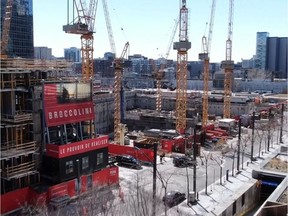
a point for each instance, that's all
(10, 149)
(20, 170)
(20, 116)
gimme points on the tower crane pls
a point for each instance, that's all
(118, 65)
(181, 74)
(83, 24)
(109, 28)
(160, 73)
(6, 28)
(228, 64)
(205, 57)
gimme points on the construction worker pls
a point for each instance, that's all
(121, 195)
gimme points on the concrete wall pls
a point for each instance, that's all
(240, 205)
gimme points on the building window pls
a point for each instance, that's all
(234, 207)
(99, 158)
(243, 199)
(69, 167)
(85, 162)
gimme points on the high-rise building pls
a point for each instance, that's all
(276, 57)
(261, 46)
(72, 54)
(20, 41)
(44, 53)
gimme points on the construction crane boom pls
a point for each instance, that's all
(211, 25)
(159, 74)
(172, 38)
(6, 28)
(205, 56)
(118, 66)
(83, 24)
(181, 74)
(228, 65)
(109, 27)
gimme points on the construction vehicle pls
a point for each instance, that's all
(205, 57)
(83, 24)
(181, 74)
(228, 65)
(119, 65)
(6, 28)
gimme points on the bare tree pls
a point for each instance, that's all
(206, 156)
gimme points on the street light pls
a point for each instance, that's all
(238, 145)
(155, 147)
(252, 140)
(78, 176)
(281, 128)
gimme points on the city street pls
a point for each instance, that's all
(181, 179)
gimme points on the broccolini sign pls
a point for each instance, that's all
(66, 105)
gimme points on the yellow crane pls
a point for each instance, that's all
(159, 74)
(182, 46)
(6, 28)
(83, 24)
(205, 57)
(118, 102)
(228, 65)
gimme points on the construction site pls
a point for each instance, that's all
(58, 131)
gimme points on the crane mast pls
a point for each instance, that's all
(205, 57)
(181, 74)
(160, 73)
(83, 24)
(118, 66)
(228, 65)
(6, 28)
(109, 28)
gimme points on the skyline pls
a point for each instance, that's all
(150, 29)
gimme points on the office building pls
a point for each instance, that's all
(261, 46)
(72, 54)
(20, 39)
(276, 57)
(43, 53)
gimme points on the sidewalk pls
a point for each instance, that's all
(222, 196)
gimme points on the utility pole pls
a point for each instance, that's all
(154, 178)
(269, 130)
(281, 126)
(238, 146)
(252, 140)
(195, 160)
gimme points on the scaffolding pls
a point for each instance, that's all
(20, 158)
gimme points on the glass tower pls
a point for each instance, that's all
(261, 46)
(20, 41)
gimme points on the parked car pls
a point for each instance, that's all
(173, 198)
(183, 161)
(129, 161)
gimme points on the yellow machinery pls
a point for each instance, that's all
(83, 24)
(205, 57)
(181, 74)
(228, 65)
